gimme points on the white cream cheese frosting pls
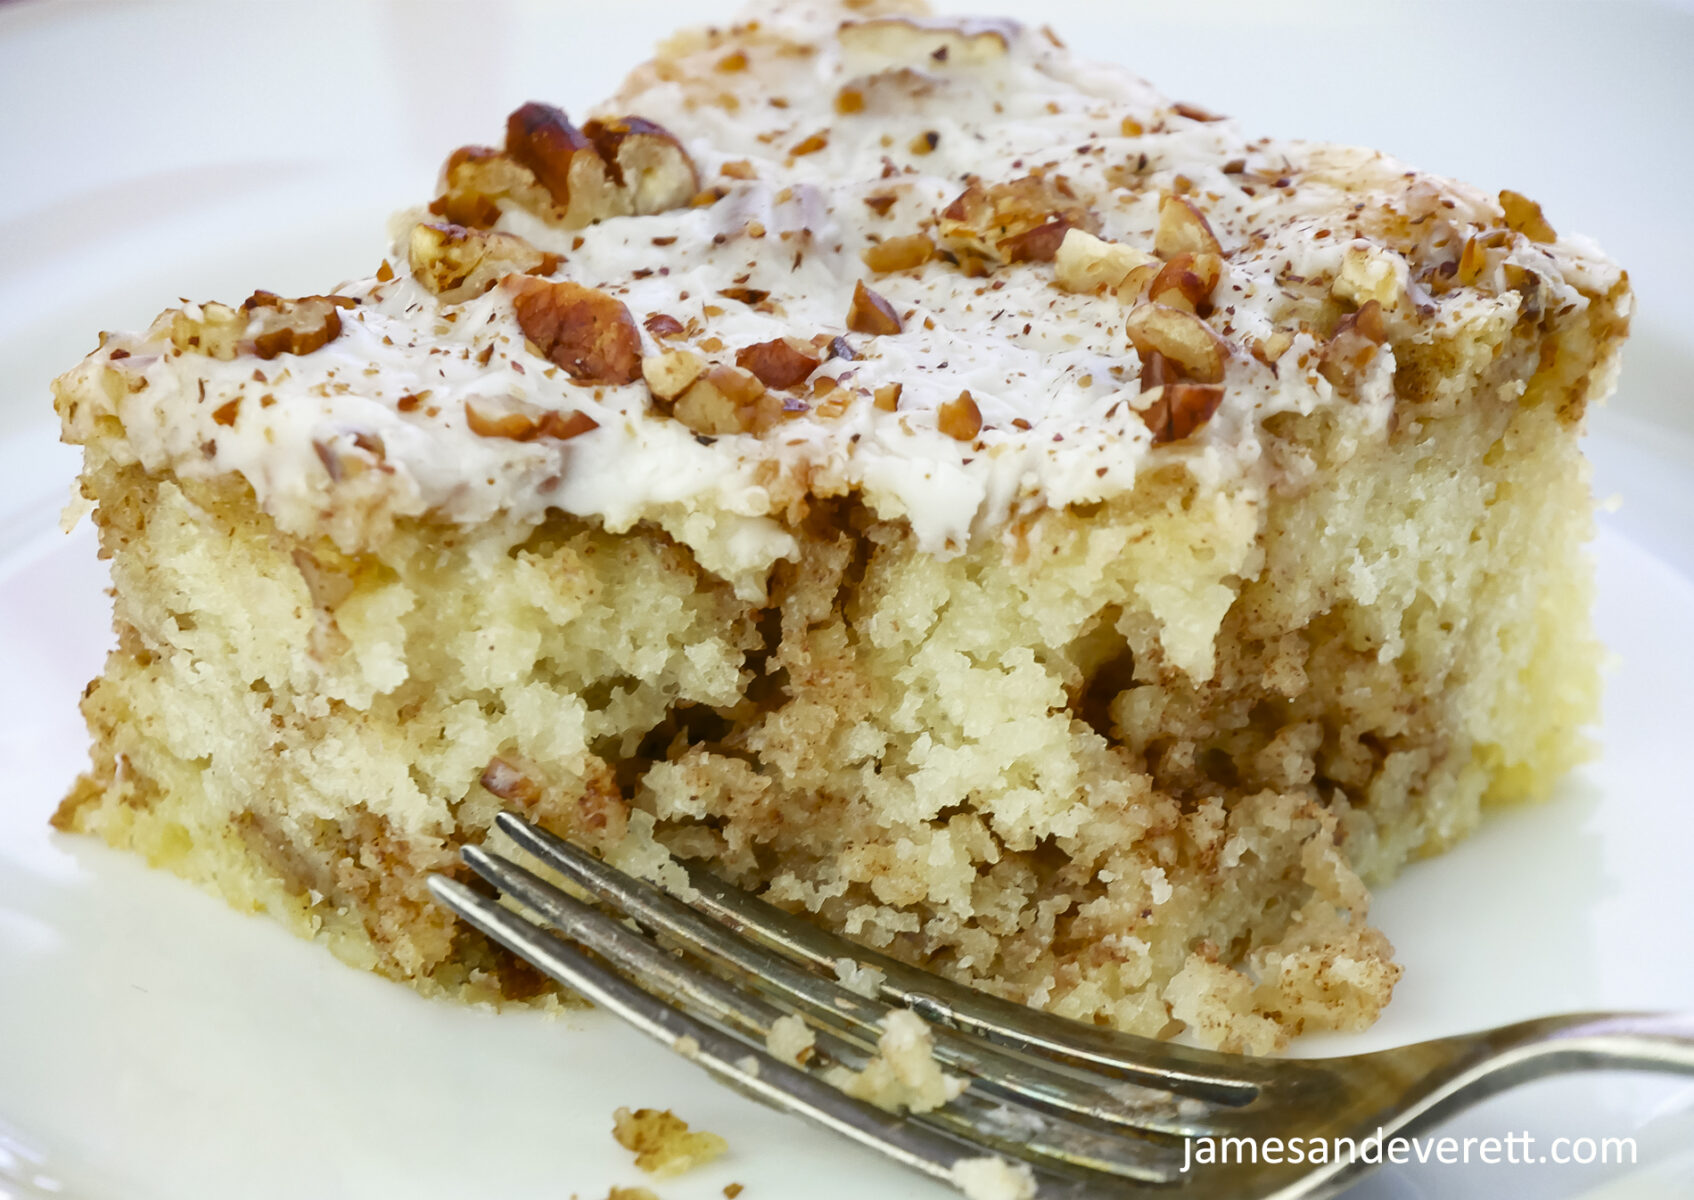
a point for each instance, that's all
(373, 425)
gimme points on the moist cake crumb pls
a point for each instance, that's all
(994, 1178)
(902, 1076)
(662, 1142)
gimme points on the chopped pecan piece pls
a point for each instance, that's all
(568, 176)
(587, 332)
(663, 325)
(525, 426)
(1178, 409)
(1353, 344)
(1524, 216)
(670, 372)
(646, 162)
(1183, 229)
(779, 363)
(727, 400)
(1085, 263)
(898, 253)
(887, 397)
(1187, 281)
(1025, 220)
(1183, 338)
(558, 154)
(870, 313)
(458, 263)
(265, 325)
(959, 418)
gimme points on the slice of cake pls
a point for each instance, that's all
(929, 478)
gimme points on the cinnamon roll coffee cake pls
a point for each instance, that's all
(929, 478)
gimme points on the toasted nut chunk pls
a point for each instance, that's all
(542, 138)
(1183, 229)
(1370, 273)
(1472, 260)
(568, 176)
(1040, 244)
(870, 313)
(1523, 215)
(959, 418)
(899, 253)
(1025, 220)
(849, 100)
(1186, 281)
(585, 331)
(1085, 263)
(663, 325)
(459, 264)
(1353, 345)
(916, 41)
(1367, 322)
(669, 372)
(810, 144)
(1178, 409)
(1135, 286)
(662, 1142)
(491, 422)
(887, 397)
(779, 363)
(1272, 347)
(739, 168)
(279, 326)
(1183, 338)
(727, 400)
(646, 162)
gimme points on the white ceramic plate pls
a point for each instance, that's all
(155, 1044)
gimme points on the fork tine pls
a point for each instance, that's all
(1016, 1077)
(1198, 1074)
(753, 1072)
(984, 1119)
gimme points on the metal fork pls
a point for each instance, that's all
(1092, 1112)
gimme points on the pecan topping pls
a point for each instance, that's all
(265, 326)
(887, 397)
(1183, 229)
(1523, 215)
(959, 418)
(568, 176)
(898, 253)
(779, 363)
(543, 139)
(1085, 263)
(524, 427)
(1187, 281)
(1178, 409)
(585, 331)
(727, 400)
(1025, 220)
(458, 263)
(670, 372)
(870, 313)
(1183, 338)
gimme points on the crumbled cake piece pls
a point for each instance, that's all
(1027, 525)
(791, 1039)
(902, 1076)
(662, 1142)
(994, 1178)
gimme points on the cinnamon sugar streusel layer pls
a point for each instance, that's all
(951, 488)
